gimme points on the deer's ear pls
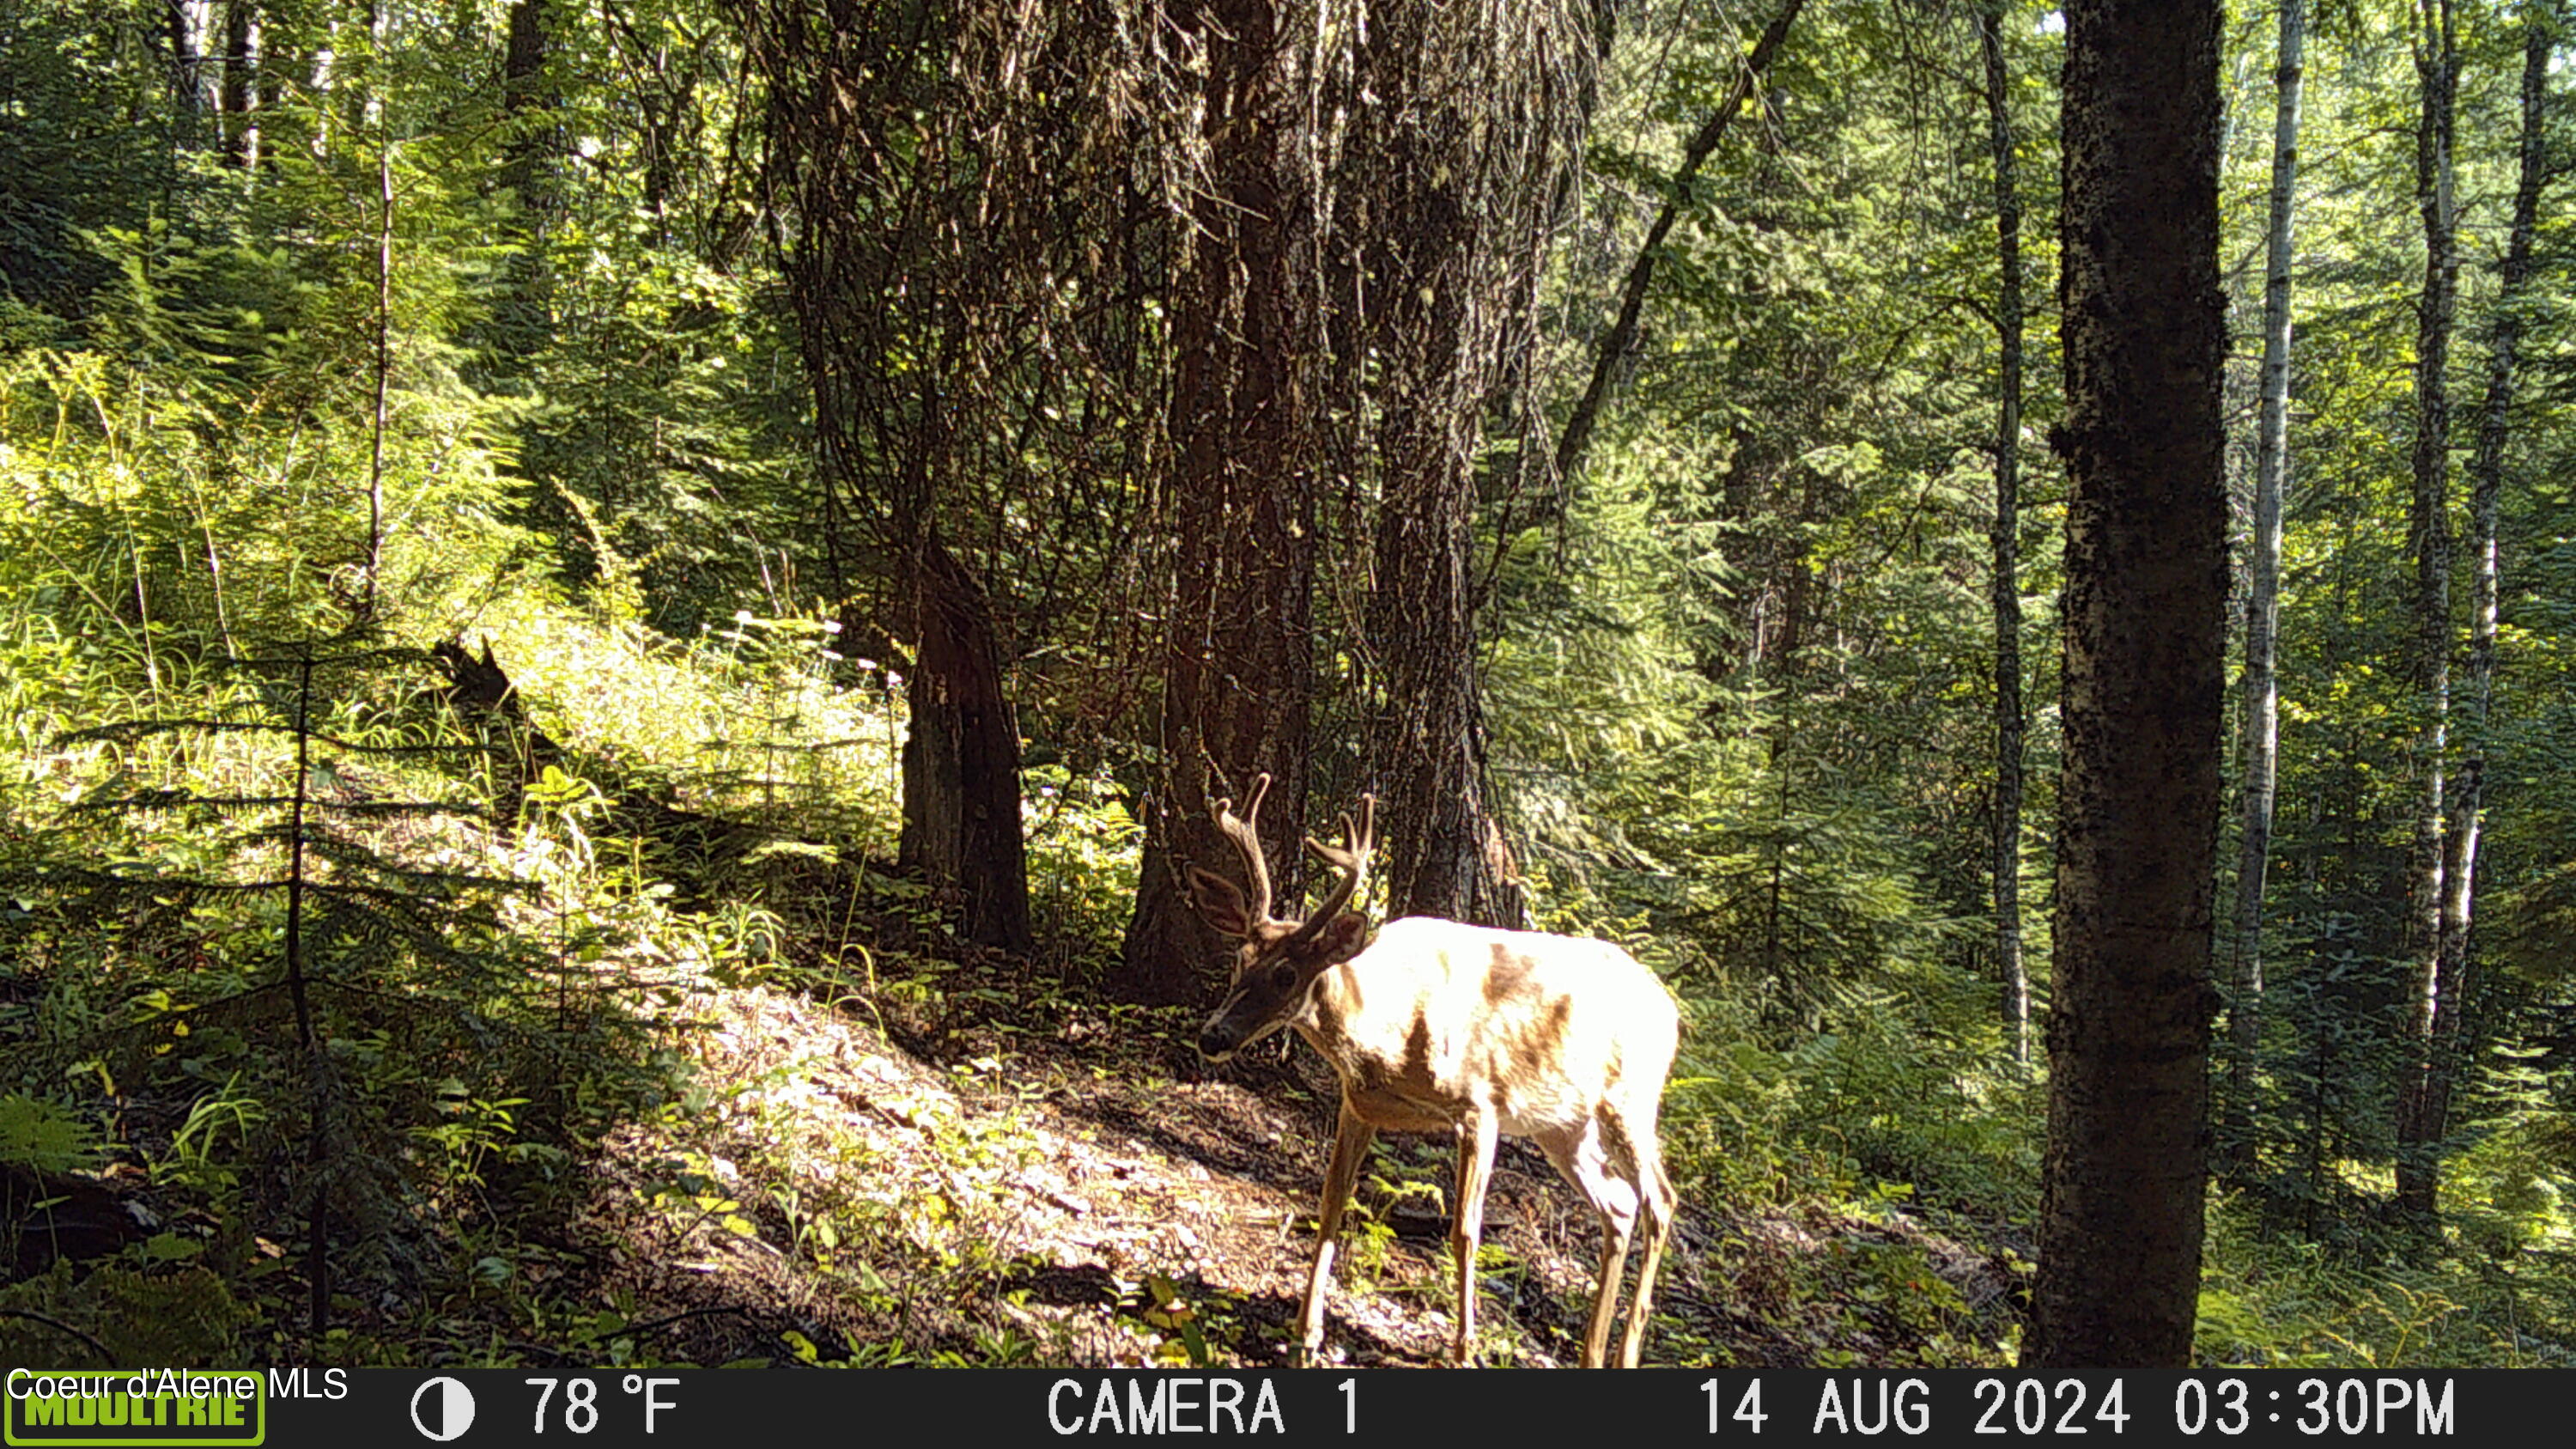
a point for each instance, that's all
(1219, 903)
(1340, 940)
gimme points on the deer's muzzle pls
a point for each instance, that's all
(1219, 1039)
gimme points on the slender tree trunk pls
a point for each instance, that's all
(241, 92)
(317, 1259)
(961, 757)
(1238, 674)
(371, 110)
(2486, 484)
(322, 77)
(193, 81)
(2146, 594)
(523, 91)
(523, 311)
(2427, 1084)
(1577, 437)
(375, 558)
(2006, 536)
(2263, 607)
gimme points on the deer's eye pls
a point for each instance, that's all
(1283, 975)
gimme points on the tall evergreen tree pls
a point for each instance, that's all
(1246, 421)
(970, 377)
(2146, 567)
(1451, 189)
(2543, 23)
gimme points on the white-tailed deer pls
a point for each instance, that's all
(1435, 1026)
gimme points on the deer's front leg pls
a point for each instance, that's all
(1350, 1147)
(1476, 1138)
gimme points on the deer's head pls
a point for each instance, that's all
(1276, 962)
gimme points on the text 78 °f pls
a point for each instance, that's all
(578, 1407)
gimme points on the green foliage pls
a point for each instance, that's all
(40, 1136)
(1082, 856)
(142, 1316)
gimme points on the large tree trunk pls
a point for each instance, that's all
(2420, 1107)
(2486, 485)
(1443, 854)
(1422, 753)
(873, 127)
(2262, 735)
(961, 758)
(1238, 674)
(2005, 581)
(1453, 184)
(2146, 565)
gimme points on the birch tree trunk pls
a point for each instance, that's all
(2431, 1010)
(371, 112)
(2486, 483)
(2263, 606)
(384, 369)
(194, 85)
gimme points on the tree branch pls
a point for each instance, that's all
(1577, 437)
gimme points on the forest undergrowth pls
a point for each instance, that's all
(734, 1094)
(650, 1058)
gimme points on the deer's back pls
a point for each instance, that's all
(1544, 1030)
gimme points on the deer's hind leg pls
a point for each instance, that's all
(1659, 1202)
(1584, 1159)
(1476, 1138)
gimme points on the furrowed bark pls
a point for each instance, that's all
(2146, 564)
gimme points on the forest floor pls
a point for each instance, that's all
(1053, 1181)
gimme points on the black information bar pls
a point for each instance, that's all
(749, 1409)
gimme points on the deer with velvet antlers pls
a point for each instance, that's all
(1436, 1026)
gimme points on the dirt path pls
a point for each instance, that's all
(1049, 1202)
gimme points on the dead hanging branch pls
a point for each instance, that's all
(975, 197)
(1577, 437)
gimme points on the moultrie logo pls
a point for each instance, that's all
(92, 1407)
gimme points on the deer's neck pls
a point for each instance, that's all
(1371, 1019)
